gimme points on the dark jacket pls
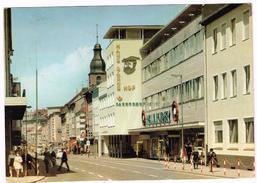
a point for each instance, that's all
(64, 156)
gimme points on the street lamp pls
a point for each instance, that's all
(26, 152)
(182, 123)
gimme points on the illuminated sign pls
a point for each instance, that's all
(157, 118)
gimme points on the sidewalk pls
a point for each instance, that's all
(32, 176)
(27, 179)
(202, 169)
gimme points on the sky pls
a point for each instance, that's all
(58, 42)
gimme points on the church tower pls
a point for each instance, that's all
(97, 66)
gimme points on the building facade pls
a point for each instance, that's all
(229, 74)
(54, 125)
(173, 72)
(120, 95)
(15, 100)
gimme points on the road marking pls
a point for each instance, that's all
(76, 168)
(111, 167)
(153, 175)
(100, 176)
(109, 179)
(137, 172)
(83, 170)
(122, 169)
(91, 173)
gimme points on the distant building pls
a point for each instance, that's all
(229, 74)
(54, 125)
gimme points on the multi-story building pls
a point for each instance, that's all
(229, 77)
(173, 71)
(123, 89)
(15, 102)
(54, 125)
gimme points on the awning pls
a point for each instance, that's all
(190, 125)
(15, 107)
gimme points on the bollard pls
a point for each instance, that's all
(175, 165)
(191, 168)
(37, 169)
(201, 166)
(238, 167)
(211, 166)
(224, 166)
(254, 169)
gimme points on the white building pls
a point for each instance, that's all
(121, 105)
(173, 58)
(229, 76)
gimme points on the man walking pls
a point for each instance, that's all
(64, 159)
(47, 158)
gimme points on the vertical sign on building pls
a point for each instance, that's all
(118, 67)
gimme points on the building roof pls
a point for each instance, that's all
(213, 14)
(187, 15)
(112, 30)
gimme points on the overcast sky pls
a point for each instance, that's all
(59, 42)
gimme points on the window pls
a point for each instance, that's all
(246, 25)
(218, 132)
(215, 40)
(247, 79)
(215, 86)
(233, 83)
(249, 130)
(233, 32)
(223, 36)
(233, 131)
(224, 86)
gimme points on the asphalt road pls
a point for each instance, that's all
(108, 169)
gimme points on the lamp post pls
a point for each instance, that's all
(182, 122)
(26, 151)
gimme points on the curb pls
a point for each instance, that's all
(204, 174)
(38, 179)
(32, 181)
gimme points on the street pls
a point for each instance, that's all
(107, 169)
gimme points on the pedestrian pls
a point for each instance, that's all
(64, 159)
(195, 156)
(11, 157)
(29, 163)
(188, 151)
(47, 159)
(53, 158)
(17, 163)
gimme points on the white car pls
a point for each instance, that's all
(59, 154)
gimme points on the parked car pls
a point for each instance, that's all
(59, 153)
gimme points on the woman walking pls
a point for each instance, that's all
(18, 163)
(11, 157)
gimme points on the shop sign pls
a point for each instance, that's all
(118, 67)
(157, 118)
